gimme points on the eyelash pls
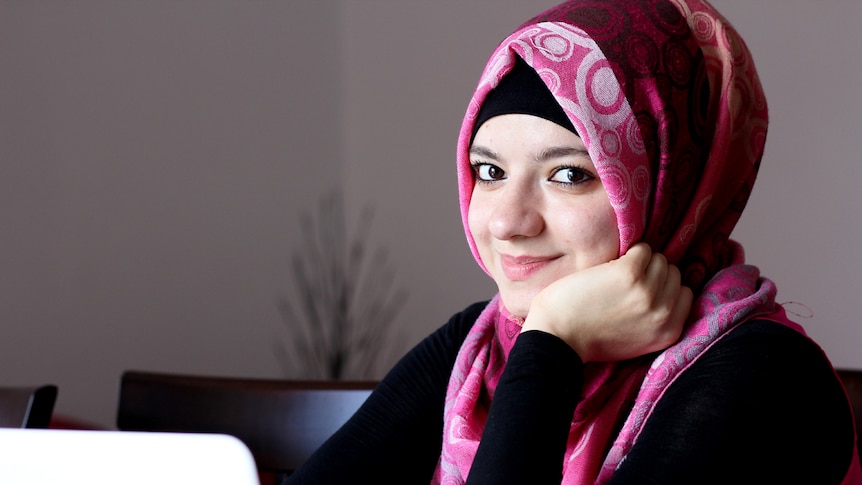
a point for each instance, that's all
(477, 167)
(587, 176)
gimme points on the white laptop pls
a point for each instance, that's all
(49, 456)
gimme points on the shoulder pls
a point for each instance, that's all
(460, 323)
(764, 359)
(770, 378)
(777, 350)
(432, 358)
(472, 312)
(447, 339)
(762, 405)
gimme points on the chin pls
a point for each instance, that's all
(518, 307)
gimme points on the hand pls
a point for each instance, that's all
(618, 310)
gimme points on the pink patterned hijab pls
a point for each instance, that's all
(666, 98)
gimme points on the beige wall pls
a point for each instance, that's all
(155, 158)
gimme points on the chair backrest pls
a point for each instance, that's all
(281, 421)
(27, 407)
(852, 380)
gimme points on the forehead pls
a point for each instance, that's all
(523, 128)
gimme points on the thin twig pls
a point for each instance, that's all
(347, 302)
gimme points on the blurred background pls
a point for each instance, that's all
(174, 173)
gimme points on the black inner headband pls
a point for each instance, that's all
(522, 91)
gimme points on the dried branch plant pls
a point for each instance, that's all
(340, 320)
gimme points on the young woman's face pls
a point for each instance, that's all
(538, 210)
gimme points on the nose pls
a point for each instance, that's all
(517, 212)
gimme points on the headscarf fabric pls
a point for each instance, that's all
(666, 98)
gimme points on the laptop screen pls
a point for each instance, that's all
(50, 456)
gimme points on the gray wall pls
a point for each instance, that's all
(155, 158)
(803, 226)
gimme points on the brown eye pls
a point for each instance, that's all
(487, 172)
(571, 175)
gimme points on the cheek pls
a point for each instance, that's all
(595, 229)
(474, 220)
(477, 221)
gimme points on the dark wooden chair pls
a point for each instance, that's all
(852, 380)
(27, 407)
(281, 421)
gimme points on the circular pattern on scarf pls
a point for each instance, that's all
(641, 184)
(553, 46)
(641, 53)
(610, 142)
(648, 133)
(666, 17)
(681, 176)
(601, 20)
(628, 232)
(703, 27)
(678, 64)
(636, 133)
(551, 79)
(603, 90)
(616, 181)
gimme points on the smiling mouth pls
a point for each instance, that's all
(523, 267)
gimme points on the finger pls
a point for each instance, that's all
(671, 284)
(638, 256)
(656, 273)
(682, 309)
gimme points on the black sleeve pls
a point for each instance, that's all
(396, 436)
(524, 440)
(762, 406)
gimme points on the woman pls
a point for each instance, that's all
(604, 159)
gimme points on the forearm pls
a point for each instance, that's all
(524, 439)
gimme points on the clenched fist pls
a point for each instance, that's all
(614, 311)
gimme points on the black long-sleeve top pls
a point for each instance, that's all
(761, 406)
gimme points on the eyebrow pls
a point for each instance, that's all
(559, 152)
(483, 152)
(544, 155)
